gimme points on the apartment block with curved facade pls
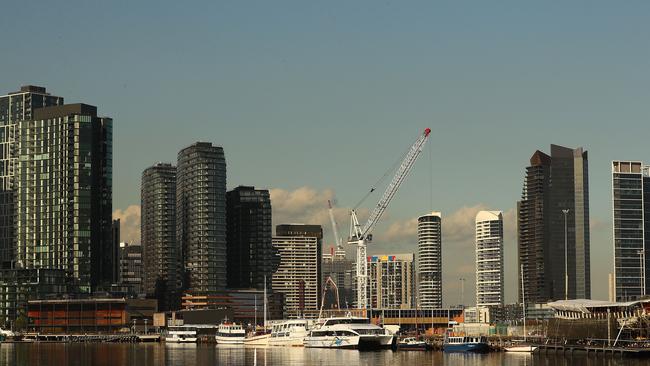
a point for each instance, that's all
(489, 258)
(429, 265)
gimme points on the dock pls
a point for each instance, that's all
(570, 349)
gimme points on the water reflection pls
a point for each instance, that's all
(59, 354)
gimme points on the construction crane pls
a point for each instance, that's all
(340, 250)
(336, 294)
(362, 235)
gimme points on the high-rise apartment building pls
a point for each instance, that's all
(298, 276)
(251, 256)
(63, 190)
(631, 206)
(14, 108)
(131, 269)
(391, 281)
(429, 267)
(162, 261)
(201, 217)
(489, 258)
(553, 185)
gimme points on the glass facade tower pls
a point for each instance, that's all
(251, 255)
(552, 184)
(64, 194)
(631, 206)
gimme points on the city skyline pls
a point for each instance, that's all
(477, 84)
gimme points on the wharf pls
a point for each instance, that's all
(623, 351)
(77, 338)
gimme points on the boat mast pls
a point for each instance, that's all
(265, 301)
(523, 299)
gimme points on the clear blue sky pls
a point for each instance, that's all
(328, 94)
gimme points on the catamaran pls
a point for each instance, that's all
(348, 332)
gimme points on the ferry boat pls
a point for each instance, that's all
(290, 333)
(230, 333)
(476, 344)
(348, 332)
(181, 334)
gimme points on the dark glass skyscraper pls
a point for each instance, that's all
(555, 183)
(201, 217)
(251, 255)
(63, 184)
(631, 205)
(161, 253)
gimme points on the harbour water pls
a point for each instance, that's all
(111, 354)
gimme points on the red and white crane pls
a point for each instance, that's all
(362, 235)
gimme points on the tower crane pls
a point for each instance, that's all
(340, 251)
(362, 235)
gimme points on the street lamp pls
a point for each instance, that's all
(641, 254)
(566, 257)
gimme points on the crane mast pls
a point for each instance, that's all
(361, 235)
(335, 228)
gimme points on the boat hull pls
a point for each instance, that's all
(180, 340)
(258, 340)
(362, 342)
(467, 347)
(229, 340)
(521, 349)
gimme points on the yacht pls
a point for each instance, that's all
(290, 333)
(522, 347)
(476, 344)
(348, 332)
(181, 334)
(230, 333)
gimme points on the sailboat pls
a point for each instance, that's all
(256, 338)
(522, 347)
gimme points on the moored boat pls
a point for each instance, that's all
(521, 348)
(289, 333)
(413, 344)
(230, 333)
(348, 332)
(181, 334)
(476, 344)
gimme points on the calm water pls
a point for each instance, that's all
(58, 354)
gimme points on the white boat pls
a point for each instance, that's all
(257, 339)
(348, 332)
(521, 348)
(230, 333)
(181, 334)
(290, 333)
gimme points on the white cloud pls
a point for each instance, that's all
(129, 223)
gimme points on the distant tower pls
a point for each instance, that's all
(489, 258)
(430, 260)
(201, 217)
(158, 235)
(251, 256)
(552, 184)
(631, 206)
